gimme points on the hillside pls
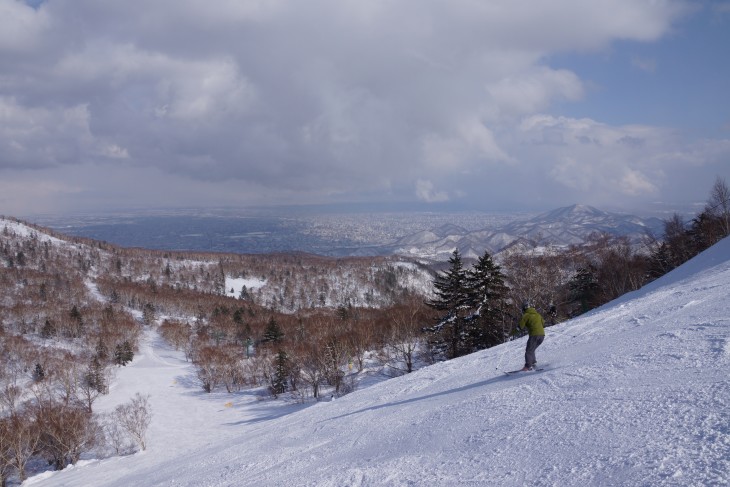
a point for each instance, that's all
(285, 282)
(634, 393)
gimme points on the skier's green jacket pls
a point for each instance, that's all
(533, 321)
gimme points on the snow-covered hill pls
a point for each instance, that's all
(634, 393)
(284, 282)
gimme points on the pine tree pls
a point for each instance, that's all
(48, 330)
(94, 376)
(127, 350)
(123, 353)
(279, 382)
(273, 333)
(660, 261)
(244, 293)
(38, 373)
(451, 299)
(119, 355)
(486, 293)
(77, 320)
(583, 288)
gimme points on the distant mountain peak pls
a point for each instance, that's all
(448, 229)
(572, 211)
(569, 225)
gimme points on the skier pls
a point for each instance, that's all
(534, 323)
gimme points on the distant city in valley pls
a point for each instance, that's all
(267, 230)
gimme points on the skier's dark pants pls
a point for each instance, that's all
(532, 344)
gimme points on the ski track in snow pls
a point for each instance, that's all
(634, 393)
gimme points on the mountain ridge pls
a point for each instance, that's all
(561, 227)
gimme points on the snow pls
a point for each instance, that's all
(235, 284)
(634, 393)
(23, 230)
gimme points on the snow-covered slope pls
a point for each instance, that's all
(634, 393)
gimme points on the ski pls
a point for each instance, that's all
(512, 372)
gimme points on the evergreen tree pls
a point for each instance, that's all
(279, 382)
(123, 353)
(238, 316)
(48, 330)
(273, 333)
(486, 292)
(38, 373)
(244, 293)
(127, 350)
(119, 355)
(660, 261)
(583, 288)
(451, 299)
(94, 376)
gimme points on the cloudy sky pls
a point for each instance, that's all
(478, 104)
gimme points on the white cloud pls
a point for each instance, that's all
(470, 142)
(36, 137)
(114, 151)
(606, 162)
(21, 27)
(534, 90)
(425, 192)
(632, 182)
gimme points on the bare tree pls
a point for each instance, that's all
(232, 375)
(10, 396)
(176, 333)
(311, 367)
(535, 277)
(359, 340)
(6, 451)
(116, 436)
(66, 432)
(23, 436)
(135, 417)
(406, 337)
(63, 382)
(718, 205)
(334, 356)
(210, 363)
